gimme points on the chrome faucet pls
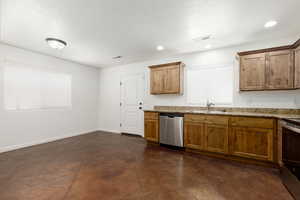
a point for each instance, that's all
(209, 105)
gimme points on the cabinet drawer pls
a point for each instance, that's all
(219, 120)
(194, 118)
(252, 122)
(151, 115)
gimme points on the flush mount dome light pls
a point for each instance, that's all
(160, 48)
(270, 24)
(56, 43)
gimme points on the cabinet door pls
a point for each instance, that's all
(297, 68)
(194, 135)
(172, 80)
(252, 72)
(151, 130)
(280, 70)
(216, 138)
(158, 77)
(254, 143)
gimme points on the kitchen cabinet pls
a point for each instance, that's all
(166, 78)
(217, 134)
(252, 138)
(270, 69)
(243, 137)
(209, 133)
(252, 72)
(297, 68)
(151, 126)
(280, 70)
(194, 136)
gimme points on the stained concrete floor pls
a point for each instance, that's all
(109, 166)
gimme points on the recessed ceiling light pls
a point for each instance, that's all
(56, 43)
(160, 48)
(208, 46)
(117, 57)
(270, 24)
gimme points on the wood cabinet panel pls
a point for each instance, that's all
(194, 135)
(297, 68)
(167, 78)
(252, 122)
(151, 115)
(195, 118)
(217, 138)
(252, 72)
(220, 120)
(157, 78)
(254, 143)
(172, 79)
(280, 70)
(151, 129)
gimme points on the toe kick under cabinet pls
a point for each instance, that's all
(244, 137)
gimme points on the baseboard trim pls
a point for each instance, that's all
(24, 145)
(109, 131)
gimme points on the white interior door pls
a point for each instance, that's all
(132, 93)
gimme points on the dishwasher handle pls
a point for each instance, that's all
(172, 115)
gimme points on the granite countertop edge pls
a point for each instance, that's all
(244, 114)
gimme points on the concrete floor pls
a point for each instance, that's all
(109, 166)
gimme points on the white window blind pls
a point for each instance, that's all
(26, 88)
(210, 83)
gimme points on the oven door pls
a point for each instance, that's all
(291, 145)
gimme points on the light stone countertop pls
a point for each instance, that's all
(244, 114)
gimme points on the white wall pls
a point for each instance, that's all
(109, 109)
(24, 128)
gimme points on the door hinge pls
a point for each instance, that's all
(120, 103)
(120, 125)
(120, 83)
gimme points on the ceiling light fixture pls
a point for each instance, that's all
(208, 46)
(270, 24)
(207, 37)
(56, 43)
(160, 48)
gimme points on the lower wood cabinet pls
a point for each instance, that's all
(151, 126)
(246, 137)
(250, 142)
(195, 139)
(216, 138)
(208, 133)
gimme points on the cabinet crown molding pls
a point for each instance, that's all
(280, 48)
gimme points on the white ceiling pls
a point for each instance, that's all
(97, 30)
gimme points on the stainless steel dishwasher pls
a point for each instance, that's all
(171, 129)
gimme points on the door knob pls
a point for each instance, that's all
(140, 108)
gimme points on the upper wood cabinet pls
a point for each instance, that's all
(270, 69)
(280, 70)
(252, 72)
(166, 78)
(297, 68)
